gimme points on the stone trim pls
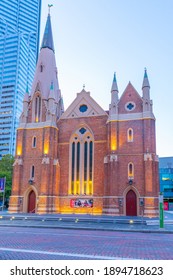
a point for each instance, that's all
(94, 109)
(45, 160)
(151, 211)
(56, 162)
(18, 161)
(148, 156)
(38, 125)
(113, 158)
(130, 117)
(112, 210)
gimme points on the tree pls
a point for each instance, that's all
(6, 170)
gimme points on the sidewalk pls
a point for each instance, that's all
(88, 222)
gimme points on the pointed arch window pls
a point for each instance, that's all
(41, 68)
(32, 172)
(34, 142)
(37, 108)
(130, 170)
(81, 162)
(130, 135)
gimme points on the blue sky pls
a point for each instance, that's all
(95, 38)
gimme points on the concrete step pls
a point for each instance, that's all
(74, 219)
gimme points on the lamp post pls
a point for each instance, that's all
(161, 213)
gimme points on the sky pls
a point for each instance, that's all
(95, 38)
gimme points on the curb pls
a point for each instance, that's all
(163, 231)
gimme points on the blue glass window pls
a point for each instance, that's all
(83, 108)
(82, 130)
(130, 106)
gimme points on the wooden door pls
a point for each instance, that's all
(131, 204)
(31, 202)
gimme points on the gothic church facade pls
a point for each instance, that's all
(84, 160)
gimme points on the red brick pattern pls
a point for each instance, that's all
(112, 154)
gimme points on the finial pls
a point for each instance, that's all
(51, 86)
(83, 86)
(115, 77)
(145, 80)
(145, 72)
(114, 84)
(49, 6)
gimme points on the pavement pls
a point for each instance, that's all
(90, 222)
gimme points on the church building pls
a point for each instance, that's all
(84, 160)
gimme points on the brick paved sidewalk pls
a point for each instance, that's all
(136, 224)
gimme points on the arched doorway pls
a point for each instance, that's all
(131, 204)
(31, 202)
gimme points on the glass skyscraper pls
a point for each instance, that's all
(19, 44)
(166, 181)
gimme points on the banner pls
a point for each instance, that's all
(166, 205)
(2, 184)
(76, 203)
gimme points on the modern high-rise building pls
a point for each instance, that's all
(166, 181)
(19, 44)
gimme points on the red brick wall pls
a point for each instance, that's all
(98, 127)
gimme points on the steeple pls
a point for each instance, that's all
(147, 103)
(52, 93)
(26, 96)
(24, 115)
(114, 96)
(47, 41)
(45, 83)
(146, 86)
(145, 80)
(114, 84)
(62, 105)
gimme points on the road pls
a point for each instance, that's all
(67, 244)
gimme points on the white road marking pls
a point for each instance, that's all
(64, 254)
(83, 235)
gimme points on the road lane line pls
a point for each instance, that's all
(64, 254)
(119, 236)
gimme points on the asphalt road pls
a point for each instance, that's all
(68, 244)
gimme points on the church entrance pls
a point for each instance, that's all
(131, 204)
(31, 202)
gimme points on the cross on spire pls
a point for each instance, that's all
(49, 6)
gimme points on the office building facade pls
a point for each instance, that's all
(19, 44)
(166, 181)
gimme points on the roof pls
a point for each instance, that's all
(47, 41)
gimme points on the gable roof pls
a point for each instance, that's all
(83, 106)
(130, 97)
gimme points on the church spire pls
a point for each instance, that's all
(146, 86)
(114, 96)
(114, 84)
(52, 93)
(145, 80)
(47, 41)
(46, 77)
(62, 105)
(26, 96)
(147, 103)
(114, 91)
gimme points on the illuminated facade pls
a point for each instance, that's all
(84, 159)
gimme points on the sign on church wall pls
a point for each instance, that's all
(76, 203)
